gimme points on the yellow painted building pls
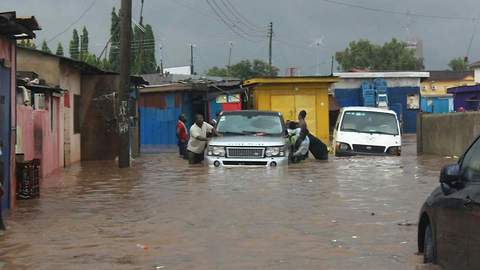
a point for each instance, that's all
(439, 81)
(290, 95)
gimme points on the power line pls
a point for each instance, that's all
(240, 18)
(226, 17)
(227, 24)
(475, 25)
(399, 12)
(74, 22)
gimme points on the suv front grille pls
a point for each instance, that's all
(236, 152)
(360, 148)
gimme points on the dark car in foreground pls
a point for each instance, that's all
(449, 226)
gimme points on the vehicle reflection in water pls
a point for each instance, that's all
(340, 214)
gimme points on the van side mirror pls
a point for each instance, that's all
(450, 174)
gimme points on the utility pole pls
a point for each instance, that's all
(230, 46)
(161, 59)
(124, 88)
(142, 37)
(192, 71)
(331, 68)
(318, 43)
(270, 37)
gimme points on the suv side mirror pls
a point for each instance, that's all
(450, 174)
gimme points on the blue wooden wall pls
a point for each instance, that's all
(5, 133)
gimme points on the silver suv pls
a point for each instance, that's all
(249, 138)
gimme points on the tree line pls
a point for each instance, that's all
(143, 48)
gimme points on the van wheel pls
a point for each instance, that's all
(428, 246)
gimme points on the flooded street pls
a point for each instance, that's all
(348, 213)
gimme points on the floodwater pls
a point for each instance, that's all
(164, 214)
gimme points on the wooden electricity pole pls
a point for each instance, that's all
(124, 88)
(270, 37)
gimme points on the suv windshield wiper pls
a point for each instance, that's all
(382, 132)
(351, 129)
(233, 133)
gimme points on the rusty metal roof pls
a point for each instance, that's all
(17, 27)
(284, 80)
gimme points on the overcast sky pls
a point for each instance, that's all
(297, 24)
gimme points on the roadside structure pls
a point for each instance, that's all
(12, 29)
(290, 95)
(400, 89)
(166, 97)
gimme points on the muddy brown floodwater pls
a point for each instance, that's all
(163, 214)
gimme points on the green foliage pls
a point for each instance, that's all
(59, 50)
(114, 56)
(27, 43)
(84, 54)
(45, 47)
(458, 64)
(149, 64)
(74, 47)
(218, 72)
(392, 56)
(245, 69)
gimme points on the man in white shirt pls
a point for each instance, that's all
(198, 139)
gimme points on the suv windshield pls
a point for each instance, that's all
(370, 122)
(246, 124)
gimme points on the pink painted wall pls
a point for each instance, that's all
(38, 139)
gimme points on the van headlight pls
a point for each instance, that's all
(395, 150)
(275, 151)
(342, 146)
(218, 151)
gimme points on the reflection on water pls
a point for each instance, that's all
(341, 214)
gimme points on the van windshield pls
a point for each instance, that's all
(248, 124)
(370, 122)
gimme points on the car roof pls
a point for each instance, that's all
(251, 112)
(367, 109)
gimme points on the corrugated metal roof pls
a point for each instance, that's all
(17, 27)
(448, 75)
(284, 80)
(464, 89)
(388, 74)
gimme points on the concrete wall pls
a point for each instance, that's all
(99, 140)
(354, 83)
(447, 134)
(47, 67)
(70, 81)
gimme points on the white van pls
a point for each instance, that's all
(367, 131)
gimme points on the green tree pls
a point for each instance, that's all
(114, 56)
(75, 45)
(60, 50)
(45, 47)
(245, 69)
(217, 72)
(458, 64)
(27, 43)
(149, 64)
(84, 54)
(393, 55)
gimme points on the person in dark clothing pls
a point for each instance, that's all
(302, 124)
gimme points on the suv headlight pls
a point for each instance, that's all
(342, 146)
(218, 151)
(276, 151)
